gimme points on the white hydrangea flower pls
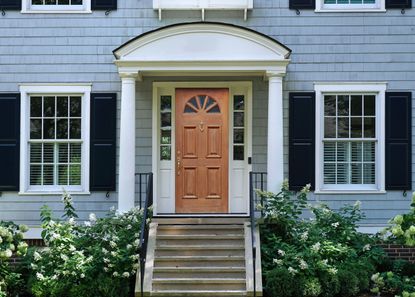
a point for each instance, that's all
(332, 270)
(113, 244)
(106, 269)
(129, 246)
(367, 247)
(304, 236)
(335, 225)
(37, 256)
(303, 264)
(104, 251)
(316, 247)
(292, 271)
(71, 221)
(126, 274)
(106, 260)
(115, 274)
(279, 262)
(92, 217)
(64, 257)
(281, 253)
(39, 276)
(82, 275)
(87, 224)
(357, 204)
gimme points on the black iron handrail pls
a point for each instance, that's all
(254, 178)
(148, 177)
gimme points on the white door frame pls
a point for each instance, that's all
(164, 171)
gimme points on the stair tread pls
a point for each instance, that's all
(200, 247)
(208, 292)
(200, 280)
(204, 269)
(200, 236)
(207, 226)
(169, 258)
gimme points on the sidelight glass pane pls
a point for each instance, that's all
(239, 102)
(165, 103)
(238, 153)
(166, 119)
(165, 152)
(238, 119)
(165, 137)
(238, 136)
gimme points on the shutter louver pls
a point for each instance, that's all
(9, 141)
(11, 4)
(104, 5)
(398, 141)
(398, 4)
(301, 140)
(103, 141)
(303, 4)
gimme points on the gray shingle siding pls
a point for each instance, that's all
(325, 47)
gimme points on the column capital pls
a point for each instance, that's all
(130, 75)
(274, 75)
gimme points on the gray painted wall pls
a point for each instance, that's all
(326, 47)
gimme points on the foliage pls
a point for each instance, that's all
(11, 244)
(322, 256)
(402, 227)
(98, 258)
(394, 283)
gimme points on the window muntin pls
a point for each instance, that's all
(349, 139)
(352, 2)
(165, 127)
(55, 140)
(57, 2)
(350, 5)
(56, 6)
(239, 127)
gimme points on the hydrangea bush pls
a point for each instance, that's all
(96, 258)
(11, 244)
(321, 256)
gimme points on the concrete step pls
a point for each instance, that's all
(181, 284)
(200, 221)
(200, 250)
(200, 229)
(197, 239)
(199, 293)
(199, 261)
(199, 272)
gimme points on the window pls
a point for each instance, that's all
(55, 144)
(54, 6)
(350, 5)
(239, 127)
(165, 128)
(350, 137)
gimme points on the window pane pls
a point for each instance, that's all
(62, 129)
(343, 105)
(49, 106)
(369, 127)
(75, 129)
(330, 105)
(342, 151)
(62, 108)
(50, 2)
(369, 175)
(238, 136)
(37, 2)
(369, 105)
(165, 153)
(214, 109)
(48, 175)
(329, 152)
(356, 105)
(165, 137)
(238, 119)
(356, 151)
(35, 106)
(63, 153)
(48, 129)
(63, 174)
(75, 175)
(356, 173)
(343, 128)
(75, 106)
(166, 119)
(35, 129)
(63, 2)
(369, 151)
(35, 153)
(342, 173)
(356, 129)
(48, 153)
(238, 153)
(239, 102)
(329, 173)
(35, 175)
(75, 153)
(165, 103)
(330, 127)
(76, 2)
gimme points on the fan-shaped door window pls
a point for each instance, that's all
(201, 103)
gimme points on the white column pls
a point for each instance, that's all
(126, 182)
(275, 151)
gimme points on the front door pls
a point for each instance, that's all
(202, 150)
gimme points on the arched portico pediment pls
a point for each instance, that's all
(202, 46)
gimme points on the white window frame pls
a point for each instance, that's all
(379, 6)
(369, 88)
(27, 90)
(27, 7)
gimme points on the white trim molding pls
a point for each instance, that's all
(28, 7)
(349, 88)
(26, 90)
(378, 6)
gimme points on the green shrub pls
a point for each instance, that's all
(99, 258)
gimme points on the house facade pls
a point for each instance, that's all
(200, 94)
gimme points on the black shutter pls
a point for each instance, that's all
(398, 141)
(9, 141)
(104, 5)
(103, 133)
(398, 4)
(11, 4)
(303, 4)
(301, 140)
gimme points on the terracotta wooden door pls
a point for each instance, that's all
(202, 150)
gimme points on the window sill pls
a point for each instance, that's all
(349, 192)
(57, 11)
(53, 193)
(350, 10)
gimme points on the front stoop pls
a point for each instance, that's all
(200, 257)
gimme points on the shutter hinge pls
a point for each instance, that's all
(3, 13)
(108, 12)
(297, 12)
(403, 11)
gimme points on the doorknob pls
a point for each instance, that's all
(179, 163)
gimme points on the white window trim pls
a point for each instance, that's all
(379, 6)
(26, 90)
(377, 88)
(27, 7)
